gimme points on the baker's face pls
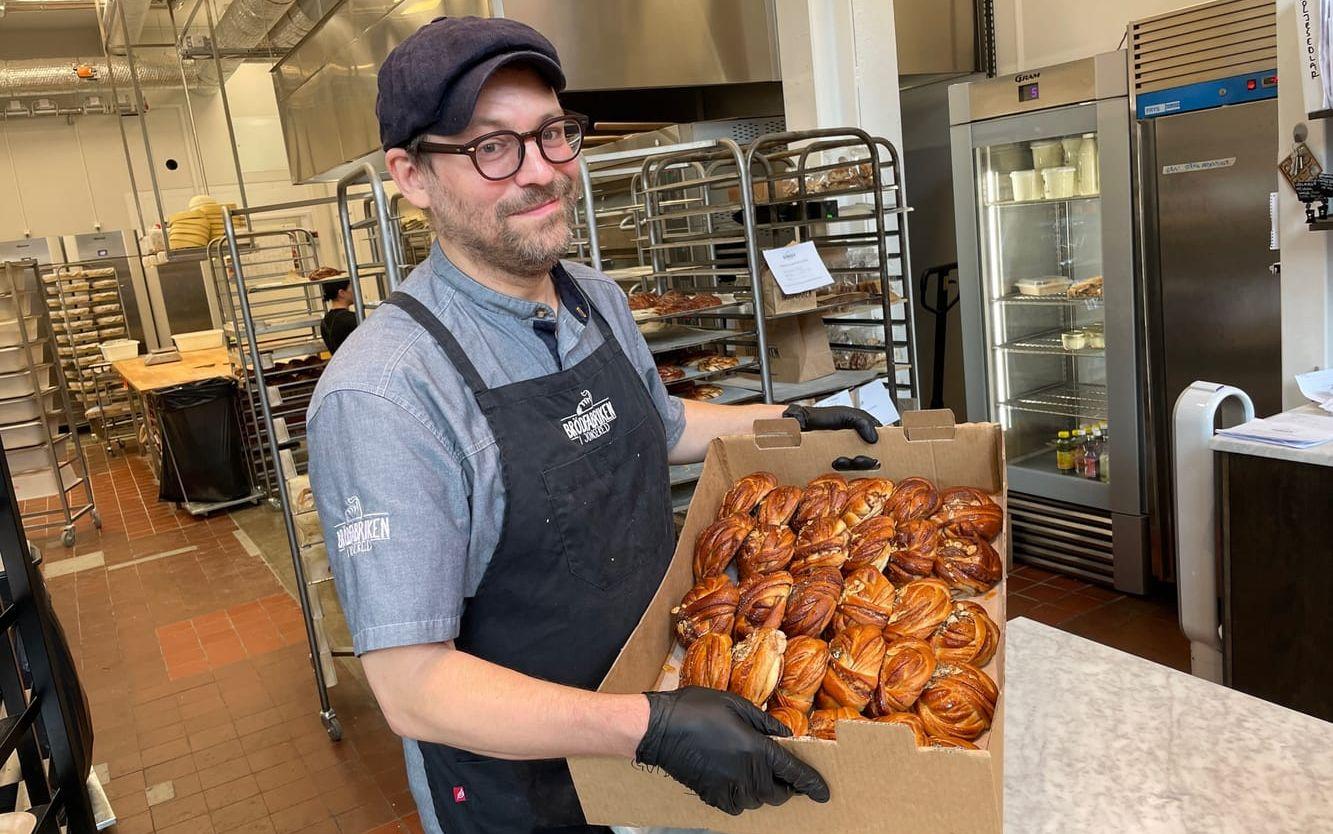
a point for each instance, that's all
(521, 224)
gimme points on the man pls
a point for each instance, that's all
(339, 322)
(491, 556)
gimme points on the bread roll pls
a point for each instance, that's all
(824, 722)
(912, 721)
(913, 498)
(912, 554)
(795, 720)
(970, 511)
(968, 563)
(824, 497)
(821, 544)
(866, 498)
(779, 506)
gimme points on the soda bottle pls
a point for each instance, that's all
(1104, 463)
(1091, 455)
(1064, 453)
(1076, 451)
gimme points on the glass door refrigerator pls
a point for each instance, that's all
(1045, 250)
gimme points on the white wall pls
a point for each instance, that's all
(64, 189)
(1037, 33)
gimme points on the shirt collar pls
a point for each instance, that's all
(571, 297)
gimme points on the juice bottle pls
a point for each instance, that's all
(1091, 455)
(1064, 453)
(1076, 452)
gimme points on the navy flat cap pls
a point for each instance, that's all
(429, 83)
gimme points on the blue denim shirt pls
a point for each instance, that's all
(405, 470)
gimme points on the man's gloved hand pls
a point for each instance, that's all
(717, 745)
(814, 418)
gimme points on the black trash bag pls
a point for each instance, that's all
(203, 451)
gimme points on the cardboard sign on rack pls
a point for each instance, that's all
(793, 263)
(798, 349)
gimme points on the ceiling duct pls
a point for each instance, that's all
(136, 14)
(56, 77)
(297, 22)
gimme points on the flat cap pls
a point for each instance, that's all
(429, 83)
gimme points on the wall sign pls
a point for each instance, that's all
(1207, 165)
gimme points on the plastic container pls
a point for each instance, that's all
(1007, 158)
(1071, 145)
(1096, 338)
(1047, 285)
(1088, 182)
(1058, 183)
(1048, 153)
(12, 359)
(29, 434)
(199, 340)
(118, 349)
(1074, 340)
(1027, 185)
(999, 187)
(24, 409)
(22, 382)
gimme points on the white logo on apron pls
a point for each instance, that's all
(590, 420)
(359, 530)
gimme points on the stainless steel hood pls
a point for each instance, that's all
(326, 84)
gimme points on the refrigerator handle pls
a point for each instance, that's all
(1196, 516)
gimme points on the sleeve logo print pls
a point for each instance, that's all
(359, 530)
(590, 420)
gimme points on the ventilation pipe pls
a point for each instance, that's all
(47, 77)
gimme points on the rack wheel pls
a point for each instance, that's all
(333, 727)
(97, 520)
(67, 538)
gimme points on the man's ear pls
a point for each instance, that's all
(408, 176)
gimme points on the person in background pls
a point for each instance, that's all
(340, 320)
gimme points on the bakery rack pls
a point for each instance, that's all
(42, 447)
(843, 190)
(276, 313)
(86, 309)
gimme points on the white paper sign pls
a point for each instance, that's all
(1317, 386)
(873, 397)
(798, 268)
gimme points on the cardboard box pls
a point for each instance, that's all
(881, 783)
(798, 348)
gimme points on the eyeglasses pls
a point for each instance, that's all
(499, 155)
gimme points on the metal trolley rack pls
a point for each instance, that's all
(269, 337)
(42, 445)
(87, 309)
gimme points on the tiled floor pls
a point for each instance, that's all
(194, 660)
(203, 701)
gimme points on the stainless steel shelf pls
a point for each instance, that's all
(678, 337)
(685, 473)
(693, 375)
(1090, 302)
(1083, 401)
(725, 310)
(1047, 343)
(732, 393)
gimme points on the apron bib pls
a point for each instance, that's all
(586, 539)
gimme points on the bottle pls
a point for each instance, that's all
(1091, 455)
(1104, 463)
(1064, 453)
(1087, 176)
(1076, 452)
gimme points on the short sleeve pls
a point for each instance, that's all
(393, 504)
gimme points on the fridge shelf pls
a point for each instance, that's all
(1089, 302)
(1047, 343)
(1055, 201)
(1083, 401)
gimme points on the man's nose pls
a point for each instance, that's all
(535, 170)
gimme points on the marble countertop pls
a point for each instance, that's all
(1097, 740)
(1317, 455)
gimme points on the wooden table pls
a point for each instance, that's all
(195, 365)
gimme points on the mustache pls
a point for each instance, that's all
(531, 197)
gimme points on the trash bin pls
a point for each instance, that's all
(203, 450)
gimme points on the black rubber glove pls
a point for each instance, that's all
(814, 418)
(717, 745)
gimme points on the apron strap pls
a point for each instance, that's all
(424, 317)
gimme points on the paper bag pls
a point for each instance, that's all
(777, 302)
(798, 349)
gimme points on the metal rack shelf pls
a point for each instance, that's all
(1091, 302)
(694, 375)
(1046, 343)
(732, 392)
(1084, 401)
(1054, 201)
(785, 392)
(679, 337)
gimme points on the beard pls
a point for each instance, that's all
(495, 238)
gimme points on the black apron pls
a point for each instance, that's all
(586, 539)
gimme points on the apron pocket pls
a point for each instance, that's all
(598, 502)
(498, 795)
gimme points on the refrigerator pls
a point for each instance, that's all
(1204, 172)
(1043, 208)
(119, 250)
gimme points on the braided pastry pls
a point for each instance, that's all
(779, 505)
(768, 548)
(855, 656)
(795, 720)
(824, 497)
(867, 598)
(969, 635)
(958, 701)
(918, 609)
(718, 543)
(969, 564)
(762, 601)
(821, 544)
(708, 662)
(866, 498)
(803, 668)
(813, 602)
(756, 665)
(912, 554)
(969, 511)
(912, 720)
(913, 498)
(908, 665)
(824, 722)
(870, 544)
(708, 607)
(746, 493)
